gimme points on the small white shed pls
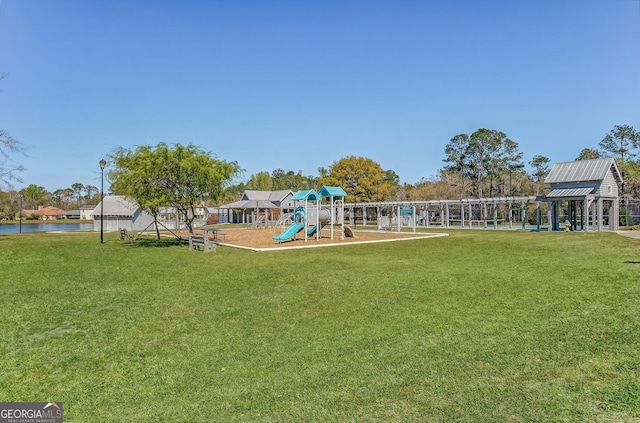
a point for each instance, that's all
(120, 213)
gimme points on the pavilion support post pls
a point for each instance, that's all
(447, 219)
(599, 214)
(414, 218)
(510, 216)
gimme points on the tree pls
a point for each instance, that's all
(34, 195)
(588, 154)
(291, 180)
(445, 185)
(9, 204)
(260, 181)
(8, 147)
(179, 176)
(77, 189)
(362, 178)
(620, 142)
(62, 198)
(485, 154)
(90, 192)
(540, 165)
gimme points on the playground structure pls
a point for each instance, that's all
(311, 216)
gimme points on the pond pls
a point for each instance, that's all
(14, 228)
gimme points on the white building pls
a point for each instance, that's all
(120, 213)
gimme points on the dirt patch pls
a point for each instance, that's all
(262, 238)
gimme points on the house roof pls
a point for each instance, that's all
(266, 195)
(116, 205)
(50, 211)
(250, 204)
(582, 171)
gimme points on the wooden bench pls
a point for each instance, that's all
(124, 235)
(201, 242)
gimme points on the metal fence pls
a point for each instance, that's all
(629, 212)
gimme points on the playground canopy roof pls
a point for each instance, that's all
(308, 194)
(326, 191)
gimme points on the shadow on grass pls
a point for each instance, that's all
(631, 262)
(155, 243)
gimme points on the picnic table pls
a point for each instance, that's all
(217, 235)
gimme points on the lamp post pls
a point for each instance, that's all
(103, 163)
(518, 166)
(20, 215)
(355, 202)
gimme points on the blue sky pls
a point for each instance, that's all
(300, 84)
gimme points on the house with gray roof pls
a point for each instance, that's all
(120, 213)
(584, 193)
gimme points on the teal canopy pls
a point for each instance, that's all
(308, 194)
(326, 191)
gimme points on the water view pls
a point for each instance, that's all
(14, 228)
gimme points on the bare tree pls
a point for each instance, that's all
(8, 147)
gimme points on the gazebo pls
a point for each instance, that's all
(259, 206)
(585, 194)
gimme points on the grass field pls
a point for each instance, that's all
(479, 326)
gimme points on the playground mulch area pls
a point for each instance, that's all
(262, 238)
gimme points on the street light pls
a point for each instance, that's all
(20, 215)
(355, 202)
(103, 163)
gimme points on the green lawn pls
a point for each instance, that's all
(479, 326)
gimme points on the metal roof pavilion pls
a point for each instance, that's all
(582, 171)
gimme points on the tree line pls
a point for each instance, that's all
(485, 163)
(33, 196)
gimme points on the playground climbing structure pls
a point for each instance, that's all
(311, 215)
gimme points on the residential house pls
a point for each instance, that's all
(71, 214)
(45, 213)
(85, 212)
